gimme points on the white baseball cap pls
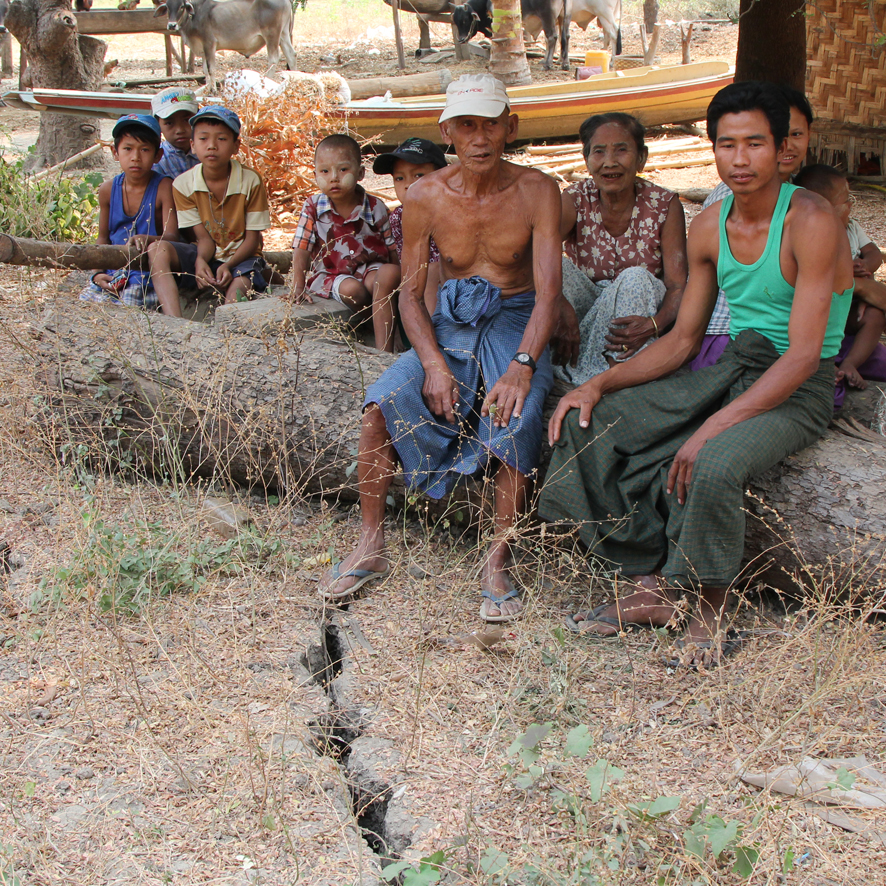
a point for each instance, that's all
(175, 98)
(475, 95)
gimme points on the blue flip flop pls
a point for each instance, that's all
(498, 619)
(362, 575)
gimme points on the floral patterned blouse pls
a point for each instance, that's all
(602, 256)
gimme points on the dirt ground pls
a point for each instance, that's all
(204, 738)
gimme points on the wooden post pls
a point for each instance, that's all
(167, 42)
(401, 55)
(685, 39)
(5, 54)
(649, 50)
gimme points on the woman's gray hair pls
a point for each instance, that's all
(634, 127)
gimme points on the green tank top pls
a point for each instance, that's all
(759, 296)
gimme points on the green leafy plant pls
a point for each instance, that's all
(53, 208)
(428, 870)
(124, 569)
(714, 833)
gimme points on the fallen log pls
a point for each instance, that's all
(283, 411)
(429, 83)
(88, 256)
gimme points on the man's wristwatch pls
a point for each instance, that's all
(524, 359)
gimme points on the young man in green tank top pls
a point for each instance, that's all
(655, 475)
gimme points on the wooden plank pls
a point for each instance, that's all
(120, 21)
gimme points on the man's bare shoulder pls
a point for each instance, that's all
(810, 209)
(706, 224)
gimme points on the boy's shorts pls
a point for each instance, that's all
(334, 281)
(136, 291)
(253, 268)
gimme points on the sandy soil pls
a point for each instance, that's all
(185, 743)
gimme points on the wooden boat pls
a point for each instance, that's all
(550, 110)
(654, 95)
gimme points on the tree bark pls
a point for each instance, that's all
(85, 257)
(58, 58)
(508, 59)
(169, 395)
(772, 42)
(650, 14)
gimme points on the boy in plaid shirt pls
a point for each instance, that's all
(343, 246)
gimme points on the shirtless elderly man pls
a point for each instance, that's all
(655, 474)
(497, 228)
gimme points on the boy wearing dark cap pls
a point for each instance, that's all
(136, 208)
(226, 206)
(414, 159)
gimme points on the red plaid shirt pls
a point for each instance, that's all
(342, 245)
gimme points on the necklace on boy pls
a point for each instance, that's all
(219, 223)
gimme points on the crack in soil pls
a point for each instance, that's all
(335, 731)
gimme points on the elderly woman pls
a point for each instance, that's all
(626, 246)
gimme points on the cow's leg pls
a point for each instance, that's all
(288, 48)
(564, 41)
(209, 66)
(551, 37)
(424, 34)
(272, 41)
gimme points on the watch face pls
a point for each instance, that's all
(522, 358)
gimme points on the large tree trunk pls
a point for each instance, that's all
(772, 42)
(508, 58)
(58, 58)
(176, 396)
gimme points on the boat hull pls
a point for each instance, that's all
(654, 96)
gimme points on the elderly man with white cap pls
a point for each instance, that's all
(471, 391)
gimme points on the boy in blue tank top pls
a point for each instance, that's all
(655, 474)
(135, 209)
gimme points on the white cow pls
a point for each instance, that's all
(607, 13)
(242, 25)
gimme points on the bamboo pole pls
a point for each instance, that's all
(60, 167)
(666, 145)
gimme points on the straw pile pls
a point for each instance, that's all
(279, 133)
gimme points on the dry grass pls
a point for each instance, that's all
(165, 747)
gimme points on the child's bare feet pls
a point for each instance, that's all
(851, 375)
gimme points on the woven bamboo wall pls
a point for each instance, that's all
(846, 69)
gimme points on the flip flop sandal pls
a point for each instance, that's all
(498, 619)
(362, 575)
(729, 645)
(594, 616)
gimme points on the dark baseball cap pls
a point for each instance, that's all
(217, 112)
(128, 120)
(413, 150)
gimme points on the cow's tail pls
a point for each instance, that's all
(618, 32)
